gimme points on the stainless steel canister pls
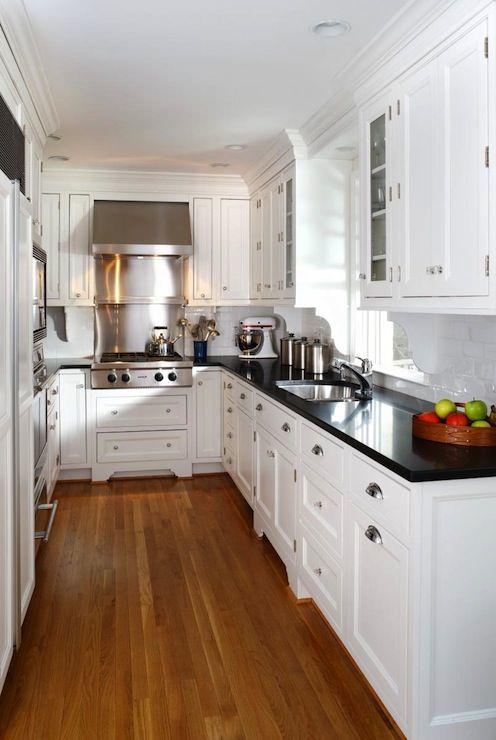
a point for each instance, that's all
(299, 353)
(317, 357)
(287, 349)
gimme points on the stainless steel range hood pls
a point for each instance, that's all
(141, 228)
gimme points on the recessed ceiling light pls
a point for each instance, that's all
(332, 28)
(54, 137)
(236, 147)
(219, 164)
(59, 158)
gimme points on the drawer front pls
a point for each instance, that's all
(322, 510)
(229, 461)
(229, 388)
(380, 495)
(142, 446)
(323, 578)
(244, 398)
(53, 395)
(229, 434)
(141, 411)
(282, 424)
(229, 411)
(322, 454)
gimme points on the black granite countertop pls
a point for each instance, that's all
(380, 428)
(54, 364)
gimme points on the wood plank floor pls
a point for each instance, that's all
(159, 614)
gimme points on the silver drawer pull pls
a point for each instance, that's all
(229, 435)
(229, 410)
(373, 534)
(168, 444)
(52, 427)
(318, 571)
(242, 396)
(285, 427)
(270, 453)
(258, 407)
(167, 411)
(229, 386)
(54, 391)
(317, 450)
(374, 490)
(114, 412)
(318, 504)
(116, 447)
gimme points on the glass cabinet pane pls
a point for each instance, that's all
(289, 241)
(377, 182)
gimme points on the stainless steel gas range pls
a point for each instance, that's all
(140, 370)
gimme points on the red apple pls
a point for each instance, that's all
(457, 420)
(430, 417)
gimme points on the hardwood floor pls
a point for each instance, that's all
(159, 614)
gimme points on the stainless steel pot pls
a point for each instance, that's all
(317, 357)
(287, 349)
(299, 353)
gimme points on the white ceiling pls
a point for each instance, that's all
(161, 85)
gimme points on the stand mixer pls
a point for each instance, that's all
(254, 338)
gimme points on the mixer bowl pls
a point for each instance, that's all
(250, 340)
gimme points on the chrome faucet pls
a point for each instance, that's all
(364, 377)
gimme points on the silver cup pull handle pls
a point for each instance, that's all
(373, 534)
(374, 490)
(285, 427)
(317, 450)
(258, 407)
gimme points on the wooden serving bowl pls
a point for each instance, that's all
(467, 436)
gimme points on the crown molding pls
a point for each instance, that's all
(28, 74)
(143, 182)
(284, 149)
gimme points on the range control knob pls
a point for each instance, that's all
(159, 377)
(111, 377)
(172, 376)
(125, 377)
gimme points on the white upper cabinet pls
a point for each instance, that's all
(256, 246)
(377, 197)
(33, 166)
(235, 249)
(51, 242)
(80, 262)
(202, 249)
(424, 149)
(288, 232)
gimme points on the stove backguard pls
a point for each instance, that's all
(128, 327)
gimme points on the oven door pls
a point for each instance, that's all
(40, 429)
(39, 293)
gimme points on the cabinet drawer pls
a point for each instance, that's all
(380, 495)
(229, 461)
(321, 510)
(229, 410)
(244, 398)
(140, 411)
(229, 388)
(53, 395)
(281, 423)
(323, 578)
(229, 434)
(142, 446)
(323, 454)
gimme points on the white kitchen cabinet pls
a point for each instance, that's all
(203, 257)
(208, 414)
(424, 151)
(33, 156)
(53, 440)
(73, 447)
(378, 603)
(271, 237)
(288, 234)
(275, 500)
(256, 246)
(26, 510)
(244, 454)
(235, 249)
(79, 247)
(51, 243)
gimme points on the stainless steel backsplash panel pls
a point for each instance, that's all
(153, 279)
(127, 328)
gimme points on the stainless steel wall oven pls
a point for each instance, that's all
(39, 294)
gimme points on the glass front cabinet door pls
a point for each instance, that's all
(288, 234)
(376, 199)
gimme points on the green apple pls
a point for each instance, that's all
(444, 408)
(480, 423)
(476, 410)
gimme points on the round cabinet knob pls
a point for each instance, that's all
(167, 411)
(169, 444)
(114, 412)
(116, 447)
(112, 377)
(125, 377)
(172, 376)
(318, 571)
(258, 407)
(224, 287)
(242, 396)
(78, 295)
(159, 377)
(202, 295)
(200, 382)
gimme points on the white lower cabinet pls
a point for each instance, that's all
(141, 447)
(26, 510)
(244, 454)
(322, 576)
(208, 414)
(53, 440)
(73, 448)
(378, 603)
(275, 501)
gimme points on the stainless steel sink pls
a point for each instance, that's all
(320, 391)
